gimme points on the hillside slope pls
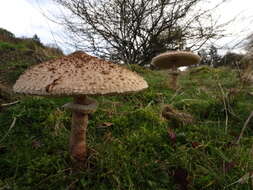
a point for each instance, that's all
(131, 146)
(17, 54)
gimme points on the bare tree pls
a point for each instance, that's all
(249, 43)
(134, 31)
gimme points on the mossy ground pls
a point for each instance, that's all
(129, 144)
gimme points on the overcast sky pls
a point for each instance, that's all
(25, 18)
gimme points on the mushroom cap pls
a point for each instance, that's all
(78, 74)
(175, 59)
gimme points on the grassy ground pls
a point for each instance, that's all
(17, 54)
(131, 146)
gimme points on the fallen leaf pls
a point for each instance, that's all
(105, 125)
(195, 144)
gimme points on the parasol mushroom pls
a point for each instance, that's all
(174, 59)
(78, 75)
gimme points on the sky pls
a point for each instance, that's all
(27, 17)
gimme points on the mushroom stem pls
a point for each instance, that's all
(174, 76)
(77, 144)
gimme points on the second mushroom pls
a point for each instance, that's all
(173, 60)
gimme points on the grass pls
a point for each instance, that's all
(13, 69)
(16, 54)
(135, 151)
(5, 46)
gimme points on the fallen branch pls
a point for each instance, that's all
(244, 127)
(12, 125)
(9, 104)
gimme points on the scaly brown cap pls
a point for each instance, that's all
(175, 59)
(78, 74)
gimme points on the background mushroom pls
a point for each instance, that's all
(174, 59)
(78, 75)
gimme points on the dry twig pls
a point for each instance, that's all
(12, 125)
(9, 104)
(244, 127)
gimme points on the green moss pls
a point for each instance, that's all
(135, 151)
